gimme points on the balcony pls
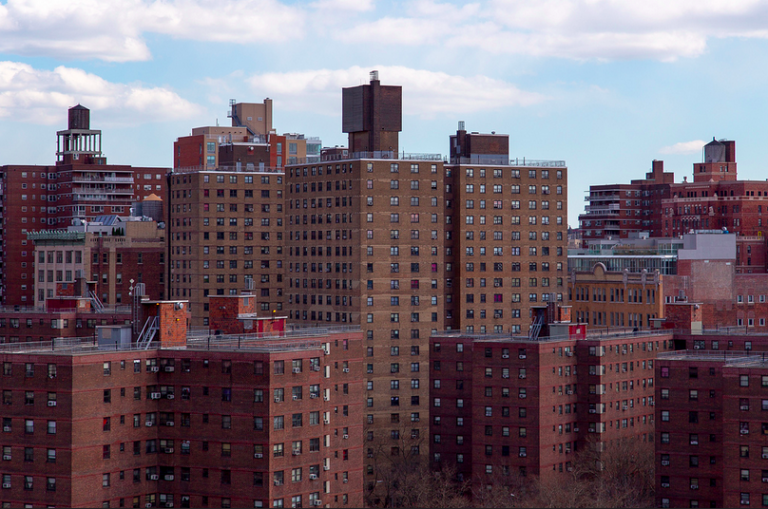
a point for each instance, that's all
(602, 197)
(246, 168)
(102, 190)
(99, 179)
(603, 209)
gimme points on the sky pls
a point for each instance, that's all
(606, 85)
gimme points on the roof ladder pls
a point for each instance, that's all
(151, 326)
(95, 302)
(533, 333)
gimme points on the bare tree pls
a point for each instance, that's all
(502, 489)
(404, 477)
(618, 474)
(397, 464)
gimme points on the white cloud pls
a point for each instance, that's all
(684, 147)
(113, 30)
(577, 29)
(425, 93)
(42, 96)
(425, 22)
(343, 5)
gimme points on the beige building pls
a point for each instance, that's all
(255, 117)
(614, 300)
(110, 254)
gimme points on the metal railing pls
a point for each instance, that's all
(501, 160)
(537, 162)
(590, 336)
(305, 338)
(235, 169)
(274, 344)
(9, 310)
(401, 156)
(148, 332)
(604, 197)
(728, 357)
(380, 154)
(291, 332)
(722, 331)
(55, 235)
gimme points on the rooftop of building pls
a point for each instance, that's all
(246, 168)
(699, 245)
(293, 340)
(599, 335)
(405, 156)
(10, 311)
(727, 358)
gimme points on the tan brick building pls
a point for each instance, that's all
(226, 225)
(611, 300)
(509, 225)
(409, 245)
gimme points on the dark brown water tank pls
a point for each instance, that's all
(79, 117)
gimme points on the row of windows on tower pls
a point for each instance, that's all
(318, 316)
(341, 185)
(318, 203)
(318, 251)
(318, 219)
(513, 189)
(316, 235)
(232, 179)
(514, 173)
(514, 204)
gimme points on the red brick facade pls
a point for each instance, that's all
(49, 197)
(710, 429)
(714, 200)
(217, 424)
(519, 407)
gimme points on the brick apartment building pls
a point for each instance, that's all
(226, 209)
(80, 185)
(715, 199)
(406, 245)
(509, 406)
(226, 225)
(251, 140)
(710, 428)
(64, 317)
(253, 420)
